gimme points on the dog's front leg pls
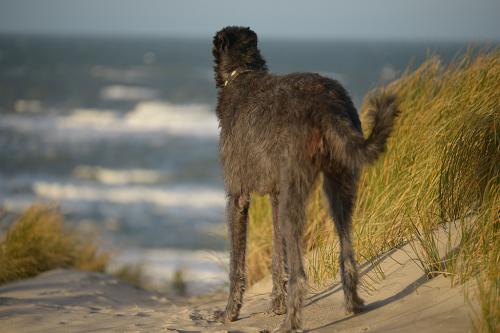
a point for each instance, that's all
(279, 269)
(237, 220)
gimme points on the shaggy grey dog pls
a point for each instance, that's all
(278, 133)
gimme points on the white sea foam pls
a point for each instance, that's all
(190, 197)
(388, 73)
(201, 268)
(119, 177)
(128, 75)
(16, 203)
(119, 92)
(192, 119)
(148, 117)
(92, 118)
(27, 106)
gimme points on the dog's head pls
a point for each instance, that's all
(235, 48)
(234, 38)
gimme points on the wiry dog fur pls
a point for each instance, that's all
(278, 133)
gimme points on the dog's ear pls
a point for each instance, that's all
(251, 37)
(222, 40)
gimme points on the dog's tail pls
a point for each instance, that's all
(348, 145)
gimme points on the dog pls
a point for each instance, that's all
(278, 133)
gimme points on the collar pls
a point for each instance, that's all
(234, 74)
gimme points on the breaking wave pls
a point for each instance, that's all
(147, 117)
(192, 197)
(120, 177)
(203, 270)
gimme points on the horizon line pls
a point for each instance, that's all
(262, 37)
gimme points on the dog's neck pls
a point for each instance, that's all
(228, 69)
(234, 74)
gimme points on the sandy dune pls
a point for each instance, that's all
(73, 301)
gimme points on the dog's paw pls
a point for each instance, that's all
(278, 305)
(196, 315)
(221, 316)
(356, 306)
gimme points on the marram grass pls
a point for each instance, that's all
(442, 165)
(39, 241)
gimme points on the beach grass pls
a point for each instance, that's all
(441, 167)
(39, 241)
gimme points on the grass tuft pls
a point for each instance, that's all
(39, 241)
(442, 165)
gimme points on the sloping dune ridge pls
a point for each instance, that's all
(73, 301)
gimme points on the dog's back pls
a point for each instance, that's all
(265, 116)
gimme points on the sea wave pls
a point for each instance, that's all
(190, 119)
(119, 92)
(202, 270)
(186, 196)
(147, 117)
(120, 177)
(113, 74)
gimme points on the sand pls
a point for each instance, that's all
(73, 301)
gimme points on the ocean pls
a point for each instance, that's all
(121, 135)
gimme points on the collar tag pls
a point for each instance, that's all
(233, 73)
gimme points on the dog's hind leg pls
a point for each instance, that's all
(340, 189)
(237, 220)
(279, 269)
(294, 190)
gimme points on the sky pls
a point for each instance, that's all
(463, 20)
